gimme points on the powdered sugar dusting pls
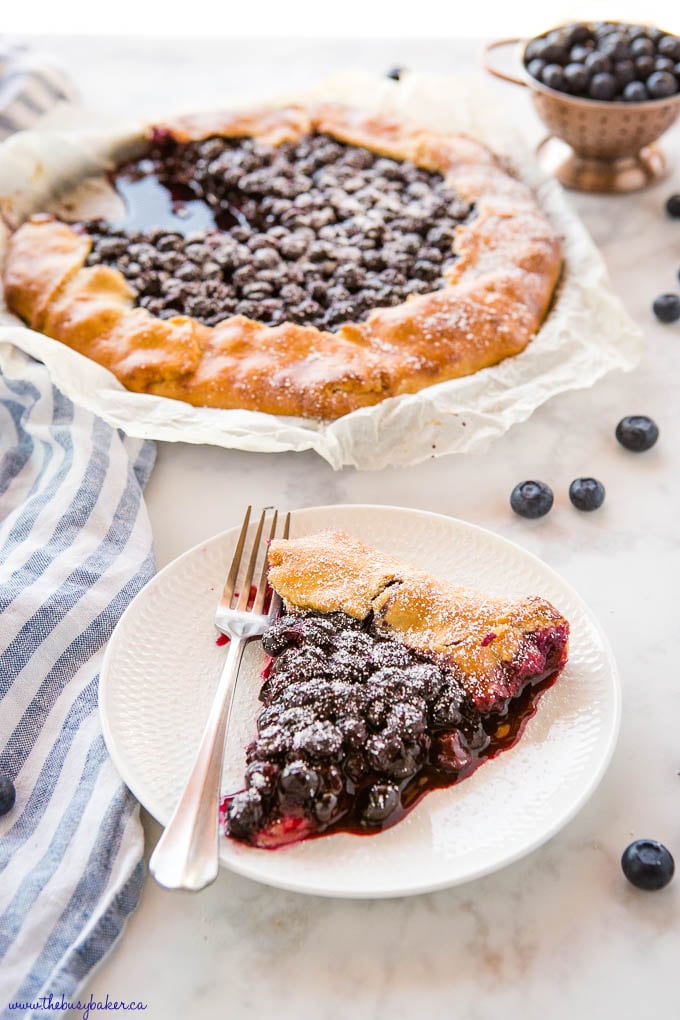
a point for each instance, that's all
(330, 571)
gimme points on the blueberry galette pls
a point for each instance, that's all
(307, 260)
(383, 683)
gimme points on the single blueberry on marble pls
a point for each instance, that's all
(531, 499)
(586, 493)
(648, 864)
(637, 432)
(667, 308)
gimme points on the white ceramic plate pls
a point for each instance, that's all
(162, 664)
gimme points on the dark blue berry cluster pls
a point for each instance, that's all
(349, 719)
(607, 61)
(316, 231)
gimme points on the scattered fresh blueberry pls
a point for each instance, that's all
(673, 206)
(637, 432)
(531, 499)
(586, 493)
(667, 308)
(647, 864)
(395, 73)
(7, 795)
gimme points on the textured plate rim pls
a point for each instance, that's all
(241, 866)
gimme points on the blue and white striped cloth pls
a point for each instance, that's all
(75, 547)
(30, 84)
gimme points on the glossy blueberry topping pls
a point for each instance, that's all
(316, 232)
(647, 864)
(244, 813)
(531, 499)
(381, 801)
(673, 206)
(637, 432)
(586, 493)
(7, 795)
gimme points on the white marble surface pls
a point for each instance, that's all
(559, 934)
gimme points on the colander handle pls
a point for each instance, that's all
(495, 45)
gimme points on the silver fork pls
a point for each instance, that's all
(187, 854)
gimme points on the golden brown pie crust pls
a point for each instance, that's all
(496, 296)
(329, 571)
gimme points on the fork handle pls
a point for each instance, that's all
(187, 854)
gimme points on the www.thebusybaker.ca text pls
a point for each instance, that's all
(49, 1002)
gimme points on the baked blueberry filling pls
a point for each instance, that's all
(315, 232)
(355, 727)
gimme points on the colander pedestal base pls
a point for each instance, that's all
(612, 176)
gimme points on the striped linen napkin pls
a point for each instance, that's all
(75, 547)
(30, 84)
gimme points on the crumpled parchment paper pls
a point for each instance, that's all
(587, 334)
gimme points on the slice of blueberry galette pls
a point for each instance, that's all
(384, 683)
(306, 260)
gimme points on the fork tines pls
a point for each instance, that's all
(252, 597)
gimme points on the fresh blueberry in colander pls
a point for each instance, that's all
(635, 92)
(552, 75)
(661, 84)
(624, 63)
(602, 86)
(576, 78)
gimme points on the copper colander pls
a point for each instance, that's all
(594, 146)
